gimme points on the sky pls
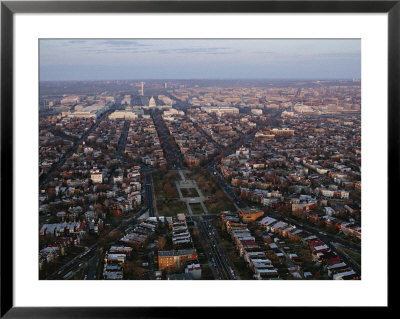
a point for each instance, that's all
(137, 59)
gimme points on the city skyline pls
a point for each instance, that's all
(200, 180)
(123, 59)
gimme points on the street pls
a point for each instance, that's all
(218, 258)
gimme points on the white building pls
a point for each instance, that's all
(91, 111)
(128, 115)
(327, 193)
(242, 150)
(116, 257)
(329, 211)
(152, 102)
(194, 270)
(257, 111)
(220, 109)
(96, 176)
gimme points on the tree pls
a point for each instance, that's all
(320, 223)
(158, 187)
(106, 203)
(331, 228)
(170, 176)
(318, 275)
(115, 235)
(162, 241)
(196, 232)
(132, 270)
(169, 190)
(258, 233)
(306, 255)
(219, 194)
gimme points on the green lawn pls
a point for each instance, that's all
(197, 209)
(170, 208)
(189, 192)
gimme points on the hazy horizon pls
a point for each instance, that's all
(196, 59)
(210, 79)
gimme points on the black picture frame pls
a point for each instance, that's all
(9, 8)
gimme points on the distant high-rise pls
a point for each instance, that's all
(165, 85)
(142, 88)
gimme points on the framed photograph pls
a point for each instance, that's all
(159, 155)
